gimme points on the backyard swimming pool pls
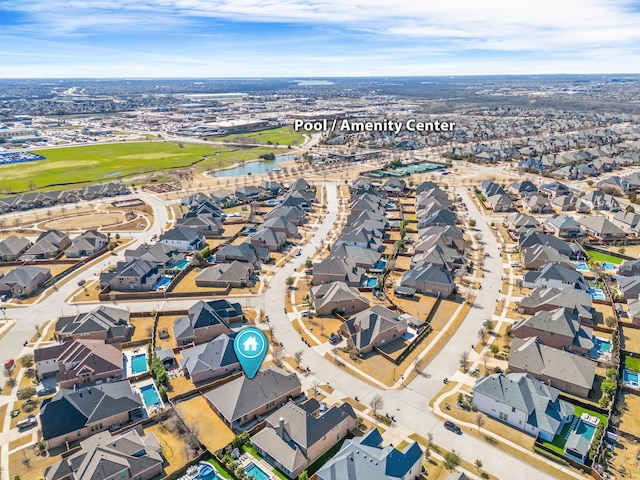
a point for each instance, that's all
(150, 396)
(139, 363)
(255, 472)
(585, 429)
(582, 267)
(630, 378)
(162, 283)
(608, 267)
(371, 282)
(596, 293)
(182, 264)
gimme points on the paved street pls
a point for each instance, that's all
(409, 405)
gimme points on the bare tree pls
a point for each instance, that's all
(482, 334)
(276, 354)
(480, 421)
(297, 356)
(376, 403)
(315, 386)
(485, 359)
(464, 361)
(335, 354)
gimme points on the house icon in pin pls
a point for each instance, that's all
(250, 344)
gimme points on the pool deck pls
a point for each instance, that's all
(137, 387)
(127, 356)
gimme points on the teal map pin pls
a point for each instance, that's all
(250, 345)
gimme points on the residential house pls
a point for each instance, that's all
(210, 360)
(301, 199)
(489, 188)
(102, 323)
(12, 247)
(554, 189)
(569, 249)
(282, 225)
(429, 279)
(110, 189)
(293, 438)
(206, 225)
(366, 457)
(337, 297)
(633, 306)
(538, 256)
(235, 274)
(560, 328)
(553, 275)
(245, 252)
(72, 415)
(556, 367)
(629, 268)
(301, 185)
(565, 202)
(205, 321)
(552, 298)
(269, 239)
(394, 186)
(563, 226)
(24, 281)
(539, 204)
(244, 399)
(618, 184)
(270, 188)
(524, 403)
(360, 257)
(522, 189)
(601, 228)
(48, 245)
(501, 203)
(159, 253)
(130, 455)
(373, 328)
(79, 363)
(134, 276)
(629, 287)
(518, 221)
(441, 217)
(184, 239)
(87, 244)
(447, 236)
(295, 215)
(248, 193)
(338, 270)
(628, 221)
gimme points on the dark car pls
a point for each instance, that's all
(453, 427)
(46, 391)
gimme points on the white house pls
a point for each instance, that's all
(523, 402)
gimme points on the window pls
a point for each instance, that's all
(122, 473)
(513, 409)
(504, 416)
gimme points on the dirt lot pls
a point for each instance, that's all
(630, 340)
(86, 221)
(165, 324)
(630, 421)
(142, 328)
(204, 423)
(37, 463)
(173, 448)
(331, 325)
(403, 263)
(419, 306)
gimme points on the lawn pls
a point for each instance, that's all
(603, 257)
(101, 163)
(280, 136)
(559, 441)
(632, 363)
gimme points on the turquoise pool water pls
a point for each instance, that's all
(150, 395)
(630, 378)
(162, 283)
(139, 363)
(253, 471)
(207, 472)
(596, 293)
(582, 267)
(182, 264)
(371, 282)
(608, 266)
(585, 429)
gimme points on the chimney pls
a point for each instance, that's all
(281, 427)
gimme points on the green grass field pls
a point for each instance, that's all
(281, 136)
(632, 363)
(102, 163)
(603, 257)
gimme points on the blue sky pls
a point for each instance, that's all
(315, 38)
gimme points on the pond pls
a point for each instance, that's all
(254, 168)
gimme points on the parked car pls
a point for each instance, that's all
(9, 363)
(45, 391)
(81, 282)
(452, 427)
(27, 422)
